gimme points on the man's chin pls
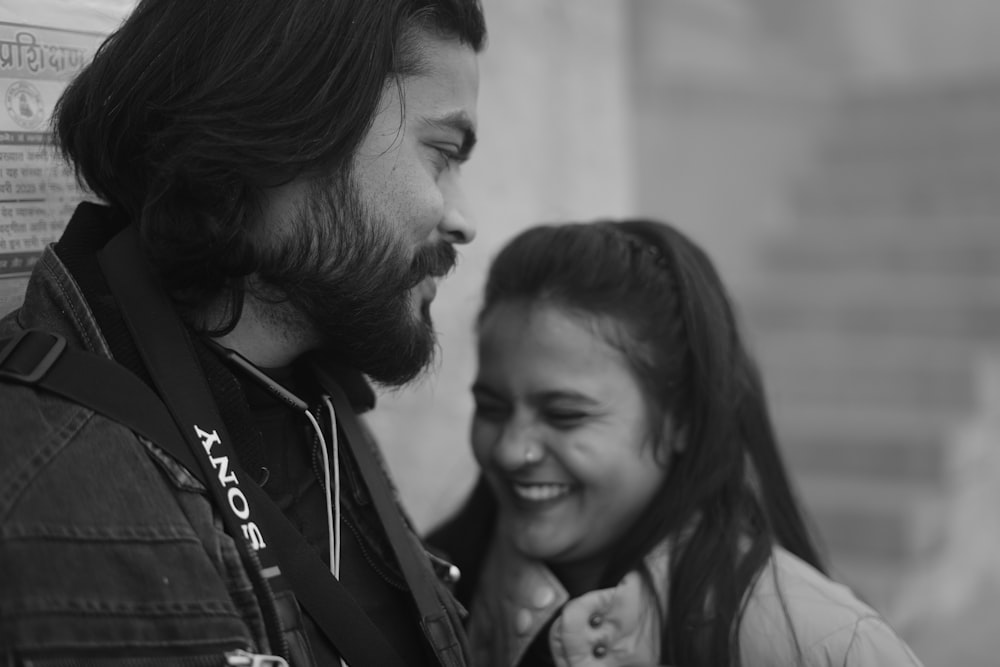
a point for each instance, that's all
(392, 350)
(407, 358)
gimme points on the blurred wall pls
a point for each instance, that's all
(732, 98)
(919, 39)
(729, 97)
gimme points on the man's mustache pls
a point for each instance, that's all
(432, 260)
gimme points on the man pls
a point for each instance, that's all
(280, 188)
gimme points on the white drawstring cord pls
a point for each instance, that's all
(335, 454)
(332, 494)
(332, 491)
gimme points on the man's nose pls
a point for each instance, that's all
(456, 224)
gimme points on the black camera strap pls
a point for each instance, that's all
(257, 525)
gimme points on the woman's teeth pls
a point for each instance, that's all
(539, 492)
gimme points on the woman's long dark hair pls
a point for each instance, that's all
(193, 107)
(675, 324)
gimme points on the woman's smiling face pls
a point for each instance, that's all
(562, 433)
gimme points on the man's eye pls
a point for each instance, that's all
(445, 157)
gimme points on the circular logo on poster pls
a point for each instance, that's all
(24, 104)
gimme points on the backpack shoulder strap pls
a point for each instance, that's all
(42, 359)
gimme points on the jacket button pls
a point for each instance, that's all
(543, 598)
(523, 621)
(595, 620)
(600, 650)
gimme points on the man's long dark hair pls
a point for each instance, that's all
(192, 107)
(726, 499)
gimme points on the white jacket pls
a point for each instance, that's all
(619, 626)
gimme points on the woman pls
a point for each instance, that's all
(633, 508)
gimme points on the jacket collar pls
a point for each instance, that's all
(90, 228)
(519, 597)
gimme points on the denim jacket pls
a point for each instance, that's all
(110, 551)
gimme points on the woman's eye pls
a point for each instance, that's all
(565, 418)
(490, 411)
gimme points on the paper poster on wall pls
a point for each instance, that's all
(38, 191)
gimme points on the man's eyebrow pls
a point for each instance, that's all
(460, 122)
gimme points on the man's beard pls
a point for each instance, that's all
(346, 272)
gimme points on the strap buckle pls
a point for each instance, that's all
(29, 355)
(241, 658)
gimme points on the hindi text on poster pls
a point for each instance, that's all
(38, 191)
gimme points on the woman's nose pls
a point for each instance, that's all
(517, 447)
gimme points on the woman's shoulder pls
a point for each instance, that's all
(796, 615)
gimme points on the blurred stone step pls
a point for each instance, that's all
(838, 347)
(848, 387)
(917, 137)
(878, 520)
(982, 325)
(966, 190)
(945, 580)
(869, 301)
(968, 638)
(880, 584)
(877, 445)
(907, 119)
(843, 369)
(939, 165)
(961, 247)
